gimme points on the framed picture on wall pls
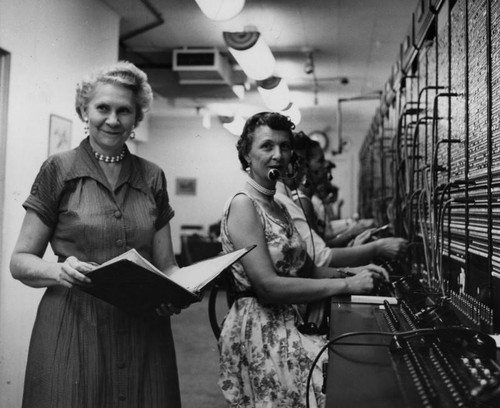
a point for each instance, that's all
(59, 134)
(185, 186)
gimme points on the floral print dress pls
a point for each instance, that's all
(264, 359)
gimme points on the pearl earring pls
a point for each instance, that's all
(86, 127)
(132, 135)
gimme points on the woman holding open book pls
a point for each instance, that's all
(265, 360)
(92, 204)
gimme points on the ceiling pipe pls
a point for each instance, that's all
(377, 95)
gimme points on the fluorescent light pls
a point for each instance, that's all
(293, 112)
(220, 10)
(251, 53)
(239, 91)
(275, 93)
(235, 126)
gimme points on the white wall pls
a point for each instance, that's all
(53, 43)
(183, 148)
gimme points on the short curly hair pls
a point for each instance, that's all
(273, 120)
(304, 145)
(122, 73)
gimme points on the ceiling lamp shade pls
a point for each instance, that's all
(275, 93)
(251, 53)
(233, 124)
(293, 112)
(221, 10)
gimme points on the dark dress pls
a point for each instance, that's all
(84, 352)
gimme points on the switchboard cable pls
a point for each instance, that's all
(425, 233)
(434, 133)
(443, 210)
(420, 120)
(435, 206)
(416, 134)
(408, 213)
(406, 147)
(409, 108)
(331, 343)
(431, 225)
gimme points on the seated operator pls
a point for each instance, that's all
(388, 248)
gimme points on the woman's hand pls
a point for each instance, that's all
(363, 238)
(392, 248)
(168, 309)
(73, 273)
(362, 283)
(365, 279)
(378, 271)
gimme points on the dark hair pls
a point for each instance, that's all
(273, 120)
(121, 73)
(303, 145)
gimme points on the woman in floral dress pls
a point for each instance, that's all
(265, 360)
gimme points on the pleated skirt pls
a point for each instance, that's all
(86, 353)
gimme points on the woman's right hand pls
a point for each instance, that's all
(364, 282)
(392, 247)
(73, 272)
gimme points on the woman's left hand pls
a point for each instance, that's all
(363, 238)
(378, 271)
(168, 309)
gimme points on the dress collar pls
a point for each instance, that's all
(86, 165)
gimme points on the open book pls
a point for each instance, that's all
(133, 284)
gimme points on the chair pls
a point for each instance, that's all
(196, 247)
(224, 283)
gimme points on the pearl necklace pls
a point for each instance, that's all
(261, 189)
(111, 159)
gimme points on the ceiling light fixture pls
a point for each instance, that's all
(293, 112)
(239, 91)
(251, 53)
(233, 124)
(274, 92)
(221, 10)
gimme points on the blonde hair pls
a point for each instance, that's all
(122, 73)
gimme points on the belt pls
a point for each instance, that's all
(244, 294)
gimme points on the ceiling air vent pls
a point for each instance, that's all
(202, 66)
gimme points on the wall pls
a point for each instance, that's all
(184, 149)
(52, 44)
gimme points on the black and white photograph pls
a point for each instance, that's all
(249, 204)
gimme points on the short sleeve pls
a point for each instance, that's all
(165, 211)
(45, 192)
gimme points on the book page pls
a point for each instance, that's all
(134, 256)
(195, 277)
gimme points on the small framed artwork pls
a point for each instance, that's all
(59, 134)
(185, 186)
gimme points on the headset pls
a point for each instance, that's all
(275, 174)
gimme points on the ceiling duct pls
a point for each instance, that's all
(202, 66)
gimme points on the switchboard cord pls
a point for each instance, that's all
(307, 221)
(397, 336)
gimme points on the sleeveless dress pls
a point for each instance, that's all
(264, 359)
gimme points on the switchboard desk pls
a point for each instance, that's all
(359, 376)
(432, 371)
